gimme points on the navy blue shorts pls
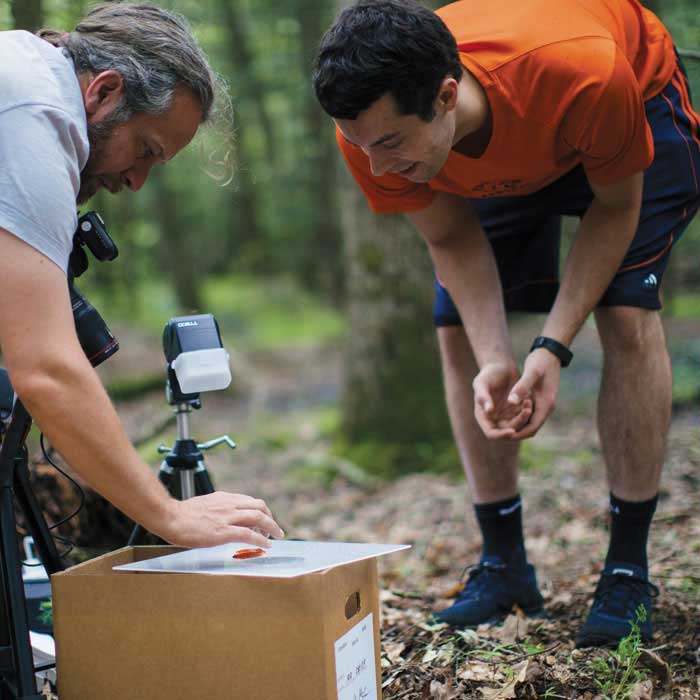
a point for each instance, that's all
(525, 231)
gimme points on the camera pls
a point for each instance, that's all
(95, 338)
(197, 359)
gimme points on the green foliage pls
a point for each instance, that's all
(388, 460)
(270, 312)
(46, 612)
(133, 387)
(536, 457)
(253, 312)
(685, 306)
(617, 673)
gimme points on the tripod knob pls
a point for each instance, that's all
(204, 446)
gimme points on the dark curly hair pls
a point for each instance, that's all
(377, 47)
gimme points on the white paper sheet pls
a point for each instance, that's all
(355, 664)
(284, 559)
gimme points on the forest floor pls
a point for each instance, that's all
(276, 411)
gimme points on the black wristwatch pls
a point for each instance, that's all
(555, 347)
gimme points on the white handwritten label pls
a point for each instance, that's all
(355, 665)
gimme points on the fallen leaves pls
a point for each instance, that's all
(656, 665)
(526, 672)
(641, 691)
(515, 629)
(442, 691)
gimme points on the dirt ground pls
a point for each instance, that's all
(284, 457)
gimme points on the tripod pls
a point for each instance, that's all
(17, 669)
(184, 459)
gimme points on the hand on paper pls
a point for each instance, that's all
(218, 518)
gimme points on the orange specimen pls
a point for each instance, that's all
(248, 553)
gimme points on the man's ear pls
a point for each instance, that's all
(447, 95)
(103, 95)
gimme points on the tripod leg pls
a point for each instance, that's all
(165, 474)
(15, 608)
(19, 683)
(202, 481)
(35, 518)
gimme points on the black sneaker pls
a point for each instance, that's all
(621, 590)
(491, 591)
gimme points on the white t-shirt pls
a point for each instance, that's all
(43, 144)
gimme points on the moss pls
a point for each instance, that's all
(128, 388)
(389, 460)
(371, 258)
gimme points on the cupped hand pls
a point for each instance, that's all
(218, 518)
(497, 417)
(538, 384)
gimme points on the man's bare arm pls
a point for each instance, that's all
(465, 264)
(603, 238)
(65, 396)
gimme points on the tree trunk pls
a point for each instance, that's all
(243, 62)
(324, 270)
(245, 227)
(27, 14)
(393, 390)
(178, 246)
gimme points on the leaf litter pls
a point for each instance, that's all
(565, 522)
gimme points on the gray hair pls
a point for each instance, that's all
(151, 48)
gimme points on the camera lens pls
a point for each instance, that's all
(96, 339)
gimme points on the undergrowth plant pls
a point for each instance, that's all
(617, 673)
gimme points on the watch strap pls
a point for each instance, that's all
(555, 347)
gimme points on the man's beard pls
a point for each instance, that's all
(98, 135)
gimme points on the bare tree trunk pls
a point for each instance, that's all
(27, 14)
(179, 249)
(393, 388)
(243, 60)
(245, 226)
(392, 393)
(324, 270)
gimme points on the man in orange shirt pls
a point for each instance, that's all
(484, 123)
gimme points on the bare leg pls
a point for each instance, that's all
(491, 467)
(503, 577)
(634, 406)
(634, 413)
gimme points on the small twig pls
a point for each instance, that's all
(679, 576)
(689, 53)
(517, 658)
(401, 695)
(155, 431)
(681, 515)
(537, 653)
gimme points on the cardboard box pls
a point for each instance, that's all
(149, 636)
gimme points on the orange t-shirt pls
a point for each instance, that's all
(566, 82)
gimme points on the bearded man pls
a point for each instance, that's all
(95, 108)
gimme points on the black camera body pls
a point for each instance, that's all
(197, 360)
(95, 338)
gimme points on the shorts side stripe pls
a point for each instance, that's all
(687, 109)
(690, 155)
(685, 89)
(653, 259)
